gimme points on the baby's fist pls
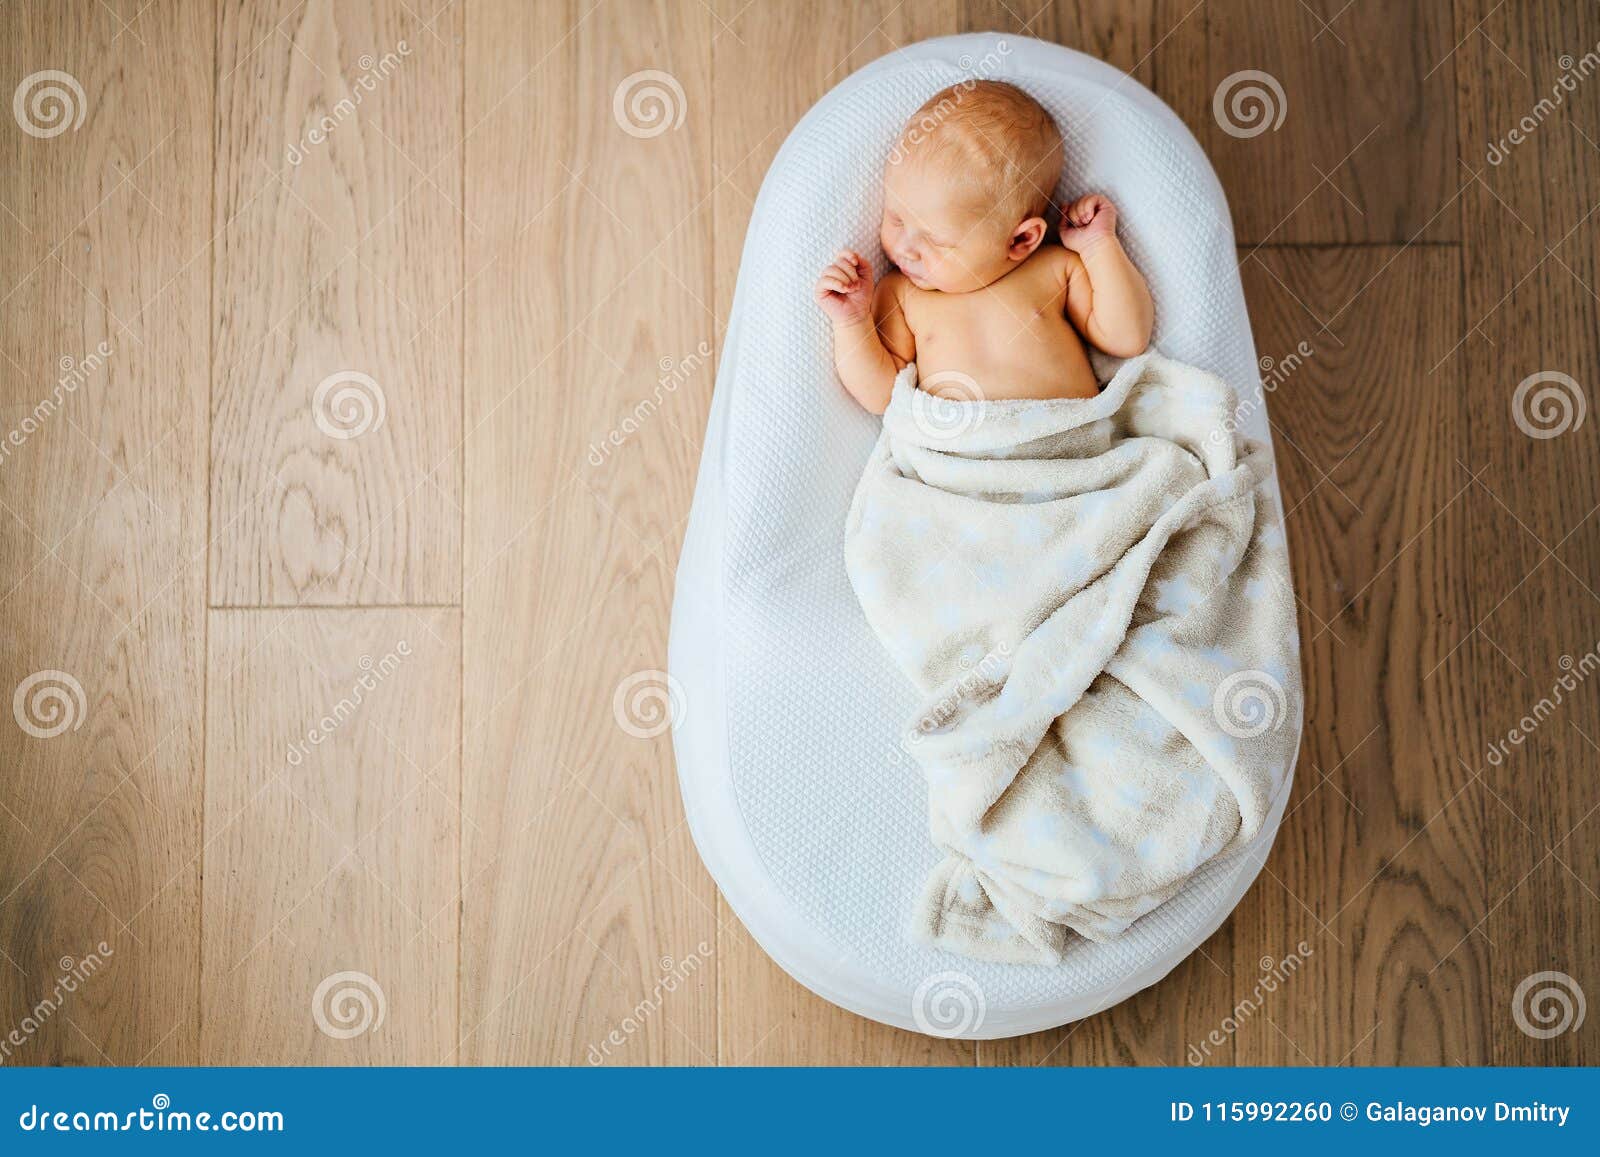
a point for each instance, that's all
(845, 288)
(1087, 222)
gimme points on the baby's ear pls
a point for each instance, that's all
(1025, 238)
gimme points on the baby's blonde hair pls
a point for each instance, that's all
(993, 137)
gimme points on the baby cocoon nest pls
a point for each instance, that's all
(1083, 583)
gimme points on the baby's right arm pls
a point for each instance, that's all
(871, 341)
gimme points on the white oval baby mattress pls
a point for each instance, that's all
(806, 811)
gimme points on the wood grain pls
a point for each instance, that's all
(584, 893)
(1379, 866)
(331, 837)
(102, 535)
(1365, 150)
(1529, 223)
(1160, 43)
(337, 266)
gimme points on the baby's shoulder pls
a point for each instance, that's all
(1057, 260)
(895, 292)
(895, 286)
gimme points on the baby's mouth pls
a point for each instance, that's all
(915, 275)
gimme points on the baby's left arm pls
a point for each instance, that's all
(1107, 298)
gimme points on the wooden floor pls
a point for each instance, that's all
(301, 521)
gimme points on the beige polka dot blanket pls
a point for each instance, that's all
(1092, 598)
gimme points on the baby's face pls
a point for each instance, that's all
(934, 233)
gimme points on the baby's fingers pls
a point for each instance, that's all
(852, 264)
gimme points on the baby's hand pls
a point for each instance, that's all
(1088, 221)
(845, 288)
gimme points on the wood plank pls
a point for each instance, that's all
(1160, 43)
(336, 384)
(583, 893)
(765, 1017)
(102, 531)
(1531, 221)
(332, 837)
(1378, 868)
(1365, 151)
(1389, 155)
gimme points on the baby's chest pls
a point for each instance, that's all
(991, 325)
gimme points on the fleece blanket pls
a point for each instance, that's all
(1092, 597)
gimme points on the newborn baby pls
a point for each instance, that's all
(983, 305)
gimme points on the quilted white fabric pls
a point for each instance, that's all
(809, 816)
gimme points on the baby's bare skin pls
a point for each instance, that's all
(982, 303)
(1010, 339)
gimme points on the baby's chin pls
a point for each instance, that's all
(934, 287)
(919, 280)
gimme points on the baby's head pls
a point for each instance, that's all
(967, 186)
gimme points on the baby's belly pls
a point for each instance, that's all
(1055, 366)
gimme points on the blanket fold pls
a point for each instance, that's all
(1092, 598)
